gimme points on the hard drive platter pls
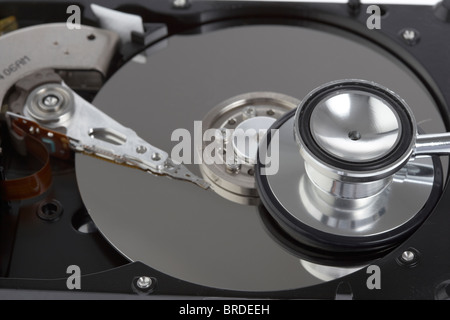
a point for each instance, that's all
(195, 235)
(357, 115)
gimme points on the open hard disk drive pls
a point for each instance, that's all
(230, 149)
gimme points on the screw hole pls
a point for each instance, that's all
(141, 149)
(232, 122)
(251, 172)
(91, 37)
(156, 157)
(49, 211)
(270, 112)
(354, 135)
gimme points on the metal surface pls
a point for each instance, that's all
(364, 130)
(355, 126)
(410, 36)
(408, 256)
(59, 48)
(379, 214)
(91, 131)
(180, 3)
(144, 282)
(360, 123)
(344, 189)
(354, 122)
(240, 123)
(123, 24)
(51, 104)
(397, 282)
(247, 135)
(427, 144)
(199, 236)
(328, 273)
(359, 126)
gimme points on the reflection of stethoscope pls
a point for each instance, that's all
(365, 178)
(327, 273)
(322, 265)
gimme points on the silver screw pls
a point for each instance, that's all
(249, 112)
(180, 3)
(50, 100)
(409, 34)
(141, 149)
(144, 282)
(223, 134)
(156, 156)
(408, 256)
(233, 166)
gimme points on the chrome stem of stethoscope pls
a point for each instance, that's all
(432, 144)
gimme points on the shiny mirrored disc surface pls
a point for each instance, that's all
(196, 235)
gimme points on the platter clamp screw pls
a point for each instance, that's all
(233, 167)
(144, 282)
(223, 135)
(249, 112)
